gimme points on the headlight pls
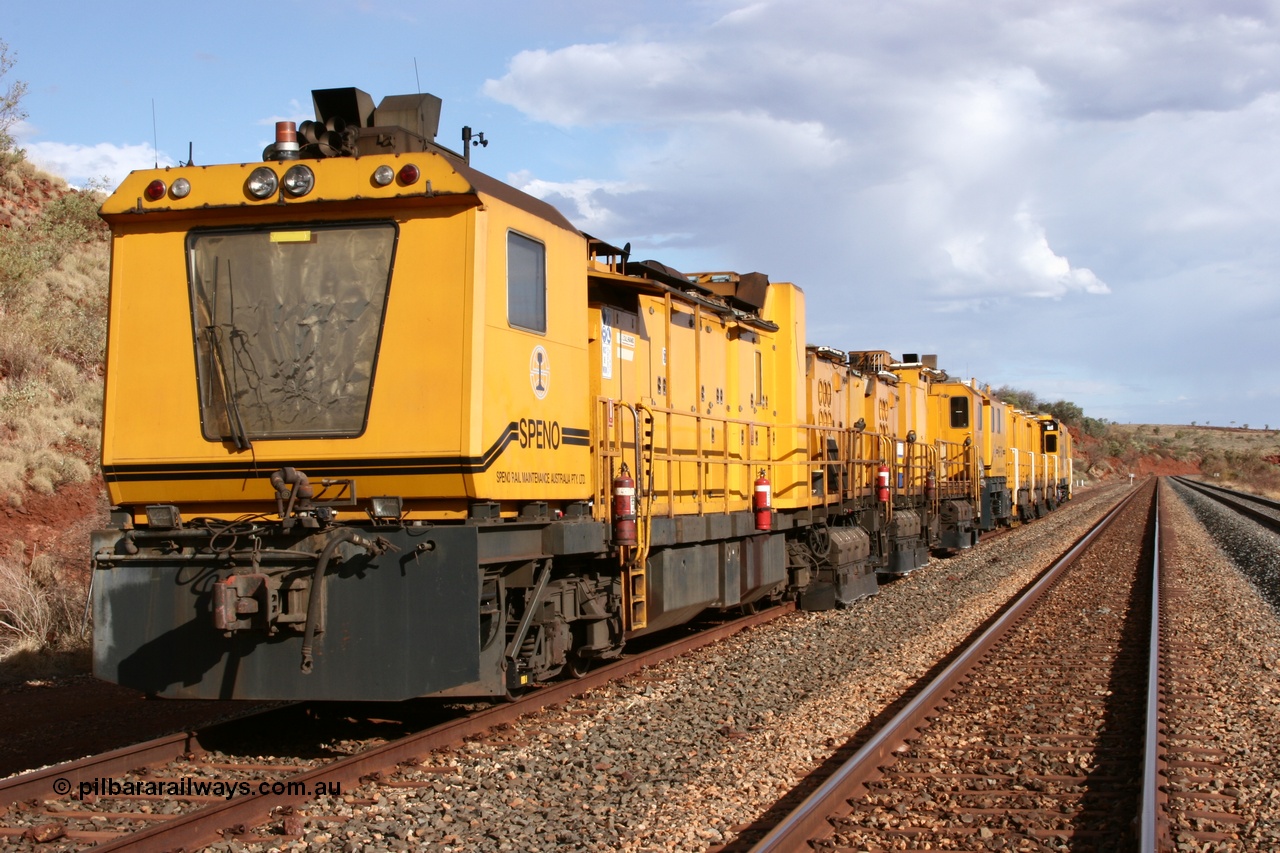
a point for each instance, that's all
(383, 175)
(386, 508)
(299, 180)
(164, 517)
(181, 188)
(262, 183)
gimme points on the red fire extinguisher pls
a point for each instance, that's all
(882, 484)
(764, 515)
(624, 508)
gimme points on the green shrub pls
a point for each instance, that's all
(1094, 427)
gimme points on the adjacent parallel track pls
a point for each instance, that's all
(1198, 786)
(1262, 510)
(1036, 731)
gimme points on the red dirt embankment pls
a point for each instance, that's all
(56, 524)
(1158, 467)
(51, 709)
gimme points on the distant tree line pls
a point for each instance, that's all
(1064, 410)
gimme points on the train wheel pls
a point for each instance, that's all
(577, 666)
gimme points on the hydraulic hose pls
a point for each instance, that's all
(346, 534)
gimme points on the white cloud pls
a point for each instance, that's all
(80, 164)
(775, 110)
(1121, 61)
(1015, 261)
(976, 127)
(629, 82)
(297, 114)
(590, 199)
(1050, 274)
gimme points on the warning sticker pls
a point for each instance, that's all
(606, 352)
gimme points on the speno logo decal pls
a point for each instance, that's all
(539, 372)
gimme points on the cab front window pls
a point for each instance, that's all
(286, 325)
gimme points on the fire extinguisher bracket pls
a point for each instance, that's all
(762, 503)
(624, 508)
(882, 484)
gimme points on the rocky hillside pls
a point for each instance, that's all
(53, 294)
(1239, 457)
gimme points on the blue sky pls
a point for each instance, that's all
(1078, 198)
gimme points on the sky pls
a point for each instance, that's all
(1080, 199)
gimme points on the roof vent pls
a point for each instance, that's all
(418, 114)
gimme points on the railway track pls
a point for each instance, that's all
(1195, 774)
(183, 791)
(1206, 777)
(1196, 777)
(1262, 510)
(1034, 734)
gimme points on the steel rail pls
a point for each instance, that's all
(1152, 824)
(1194, 763)
(37, 784)
(809, 819)
(1232, 493)
(238, 815)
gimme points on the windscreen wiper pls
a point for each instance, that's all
(239, 435)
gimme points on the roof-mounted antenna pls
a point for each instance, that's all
(416, 81)
(190, 161)
(155, 136)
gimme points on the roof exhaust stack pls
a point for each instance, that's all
(353, 106)
(348, 125)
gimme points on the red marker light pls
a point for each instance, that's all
(155, 190)
(409, 174)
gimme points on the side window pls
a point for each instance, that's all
(1050, 442)
(759, 401)
(959, 412)
(526, 283)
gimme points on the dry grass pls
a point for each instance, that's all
(53, 300)
(41, 604)
(1237, 457)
